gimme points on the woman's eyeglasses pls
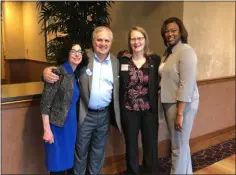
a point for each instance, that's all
(80, 52)
(139, 39)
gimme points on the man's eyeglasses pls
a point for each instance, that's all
(136, 39)
(80, 52)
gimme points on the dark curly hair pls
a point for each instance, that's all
(64, 52)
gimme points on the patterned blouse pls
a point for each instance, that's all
(136, 94)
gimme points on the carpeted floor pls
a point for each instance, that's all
(202, 158)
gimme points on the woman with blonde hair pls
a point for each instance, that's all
(138, 101)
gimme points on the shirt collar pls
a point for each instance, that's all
(173, 49)
(106, 61)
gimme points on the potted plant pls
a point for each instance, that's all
(68, 21)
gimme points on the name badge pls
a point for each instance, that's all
(88, 72)
(124, 67)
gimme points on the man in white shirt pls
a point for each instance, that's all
(99, 88)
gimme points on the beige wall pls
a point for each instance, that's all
(149, 15)
(211, 27)
(34, 41)
(13, 30)
(22, 31)
(207, 24)
(23, 149)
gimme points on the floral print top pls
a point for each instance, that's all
(136, 94)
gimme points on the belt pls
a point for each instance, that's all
(97, 110)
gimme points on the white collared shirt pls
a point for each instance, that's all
(102, 83)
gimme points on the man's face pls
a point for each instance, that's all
(102, 43)
(172, 34)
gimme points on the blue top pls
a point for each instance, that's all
(59, 156)
(68, 68)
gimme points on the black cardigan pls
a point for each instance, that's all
(153, 84)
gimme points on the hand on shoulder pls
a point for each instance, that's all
(155, 56)
(49, 75)
(124, 53)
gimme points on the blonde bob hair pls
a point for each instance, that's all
(145, 35)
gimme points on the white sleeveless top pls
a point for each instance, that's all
(161, 68)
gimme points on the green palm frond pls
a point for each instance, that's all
(74, 20)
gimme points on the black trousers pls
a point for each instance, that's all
(66, 172)
(147, 123)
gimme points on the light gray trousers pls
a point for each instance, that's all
(91, 141)
(180, 155)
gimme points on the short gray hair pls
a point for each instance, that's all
(100, 29)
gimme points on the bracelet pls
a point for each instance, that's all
(180, 114)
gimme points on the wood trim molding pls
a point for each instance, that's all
(25, 59)
(3, 81)
(116, 164)
(20, 99)
(20, 104)
(199, 82)
(202, 142)
(216, 80)
(31, 70)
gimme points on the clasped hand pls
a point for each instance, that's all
(48, 136)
